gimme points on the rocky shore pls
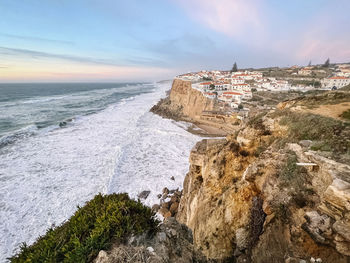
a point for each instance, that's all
(264, 193)
(277, 189)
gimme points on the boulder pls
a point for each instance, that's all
(143, 194)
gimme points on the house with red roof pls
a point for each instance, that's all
(335, 81)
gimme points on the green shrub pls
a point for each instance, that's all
(103, 220)
(292, 174)
(346, 115)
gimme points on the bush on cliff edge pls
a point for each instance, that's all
(95, 226)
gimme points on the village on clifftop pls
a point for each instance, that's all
(233, 87)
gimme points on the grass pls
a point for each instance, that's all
(291, 172)
(346, 88)
(294, 179)
(346, 115)
(327, 133)
(95, 226)
(333, 97)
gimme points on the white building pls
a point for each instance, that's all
(205, 85)
(336, 81)
(231, 96)
(235, 80)
(210, 95)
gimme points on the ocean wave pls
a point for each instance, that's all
(118, 149)
(31, 130)
(17, 135)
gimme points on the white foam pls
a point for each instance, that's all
(124, 148)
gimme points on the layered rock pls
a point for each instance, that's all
(265, 207)
(184, 102)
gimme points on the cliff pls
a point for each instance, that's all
(187, 104)
(276, 190)
(183, 102)
(266, 194)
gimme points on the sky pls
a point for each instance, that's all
(134, 40)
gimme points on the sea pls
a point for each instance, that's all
(61, 144)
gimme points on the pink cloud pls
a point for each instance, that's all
(322, 39)
(234, 18)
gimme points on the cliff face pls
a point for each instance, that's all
(183, 103)
(187, 104)
(191, 101)
(246, 197)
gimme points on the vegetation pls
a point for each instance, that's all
(346, 88)
(257, 123)
(346, 115)
(103, 220)
(314, 83)
(333, 97)
(294, 179)
(234, 67)
(207, 79)
(330, 134)
(326, 63)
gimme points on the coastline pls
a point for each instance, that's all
(184, 103)
(126, 149)
(231, 207)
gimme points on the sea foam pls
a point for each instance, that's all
(123, 148)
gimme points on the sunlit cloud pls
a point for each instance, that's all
(324, 39)
(234, 18)
(265, 29)
(34, 54)
(37, 39)
(54, 70)
(25, 53)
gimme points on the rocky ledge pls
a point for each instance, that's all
(173, 243)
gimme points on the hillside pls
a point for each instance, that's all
(277, 189)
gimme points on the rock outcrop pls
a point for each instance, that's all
(172, 244)
(183, 103)
(251, 198)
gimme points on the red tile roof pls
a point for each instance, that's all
(338, 77)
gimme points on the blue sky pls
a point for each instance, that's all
(113, 40)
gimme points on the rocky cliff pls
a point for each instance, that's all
(183, 102)
(265, 195)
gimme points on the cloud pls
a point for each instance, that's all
(37, 39)
(325, 39)
(234, 18)
(16, 52)
(26, 53)
(277, 33)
